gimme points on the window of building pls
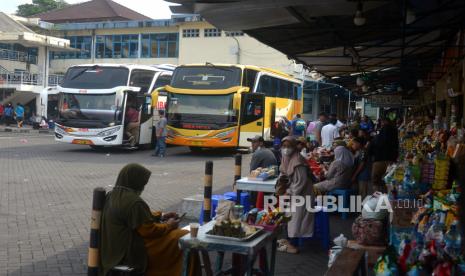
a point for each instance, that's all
(117, 46)
(190, 33)
(212, 32)
(83, 43)
(142, 79)
(237, 33)
(159, 45)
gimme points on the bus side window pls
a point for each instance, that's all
(162, 80)
(142, 79)
(249, 78)
(267, 86)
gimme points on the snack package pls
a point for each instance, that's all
(387, 263)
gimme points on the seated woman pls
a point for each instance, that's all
(294, 169)
(339, 173)
(131, 234)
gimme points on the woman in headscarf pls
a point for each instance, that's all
(294, 168)
(132, 235)
(339, 173)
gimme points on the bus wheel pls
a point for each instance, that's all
(195, 149)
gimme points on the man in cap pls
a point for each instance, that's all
(262, 157)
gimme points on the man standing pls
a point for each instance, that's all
(161, 133)
(298, 126)
(19, 113)
(384, 149)
(322, 121)
(329, 132)
(262, 157)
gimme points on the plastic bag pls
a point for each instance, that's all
(369, 210)
(340, 240)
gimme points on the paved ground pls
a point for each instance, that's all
(46, 191)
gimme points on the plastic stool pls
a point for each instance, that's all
(245, 199)
(320, 228)
(215, 200)
(345, 193)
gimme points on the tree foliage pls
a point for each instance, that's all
(40, 6)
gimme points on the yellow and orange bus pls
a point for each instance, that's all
(220, 106)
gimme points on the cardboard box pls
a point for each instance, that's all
(402, 212)
(373, 251)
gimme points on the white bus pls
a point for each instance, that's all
(94, 100)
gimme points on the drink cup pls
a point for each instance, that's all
(194, 227)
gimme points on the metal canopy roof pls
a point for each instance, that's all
(322, 35)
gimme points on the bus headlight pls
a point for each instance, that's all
(225, 133)
(108, 131)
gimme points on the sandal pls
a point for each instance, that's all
(282, 242)
(287, 248)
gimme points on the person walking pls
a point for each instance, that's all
(8, 114)
(19, 113)
(161, 132)
(298, 126)
(384, 149)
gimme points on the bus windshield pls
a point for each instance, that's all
(89, 107)
(95, 77)
(206, 77)
(201, 111)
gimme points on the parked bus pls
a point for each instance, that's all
(219, 106)
(94, 100)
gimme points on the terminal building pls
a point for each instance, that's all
(102, 31)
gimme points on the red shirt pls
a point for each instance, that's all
(132, 115)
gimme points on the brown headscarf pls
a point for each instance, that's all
(289, 163)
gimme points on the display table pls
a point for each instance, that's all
(257, 246)
(246, 184)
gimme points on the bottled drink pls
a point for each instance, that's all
(453, 241)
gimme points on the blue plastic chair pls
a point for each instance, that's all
(245, 199)
(320, 229)
(345, 193)
(215, 200)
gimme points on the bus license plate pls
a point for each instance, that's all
(82, 142)
(197, 143)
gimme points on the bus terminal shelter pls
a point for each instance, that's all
(404, 57)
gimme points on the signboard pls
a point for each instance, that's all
(391, 101)
(385, 100)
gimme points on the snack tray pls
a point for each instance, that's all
(257, 233)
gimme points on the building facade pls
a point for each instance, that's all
(179, 40)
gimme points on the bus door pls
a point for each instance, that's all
(144, 102)
(251, 117)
